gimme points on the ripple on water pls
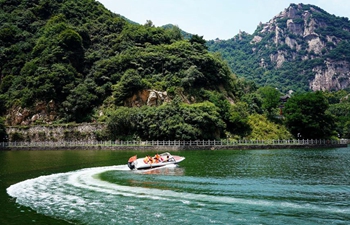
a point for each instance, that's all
(135, 197)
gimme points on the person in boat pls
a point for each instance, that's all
(148, 160)
(158, 158)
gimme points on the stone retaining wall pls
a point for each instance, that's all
(176, 148)
(64, 132)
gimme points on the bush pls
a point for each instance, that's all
(16, 137)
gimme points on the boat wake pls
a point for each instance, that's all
(83, 196)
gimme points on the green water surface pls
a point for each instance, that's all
(210, 187)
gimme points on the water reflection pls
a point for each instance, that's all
(170, 170)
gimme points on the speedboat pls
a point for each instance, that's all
(158, 160)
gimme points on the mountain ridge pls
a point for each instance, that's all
(302, 44)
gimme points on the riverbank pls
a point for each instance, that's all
(157, 147)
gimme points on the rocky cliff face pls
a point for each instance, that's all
(301, 48)
(304, 32)
(41, 112)
(294, 27)
(335, 76)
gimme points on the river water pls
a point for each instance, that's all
(210, 187)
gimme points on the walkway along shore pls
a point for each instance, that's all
(175, 145)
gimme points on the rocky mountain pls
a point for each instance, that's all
(302, 48)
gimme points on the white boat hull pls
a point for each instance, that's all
(165, 159)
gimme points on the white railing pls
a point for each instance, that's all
(175, 143)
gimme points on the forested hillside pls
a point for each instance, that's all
(77, 54)
(74, 61)
(302, 48)
(68, 61)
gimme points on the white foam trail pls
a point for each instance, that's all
(71, 195)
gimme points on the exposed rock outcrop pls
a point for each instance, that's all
(278, 58)
(256, 39)
(335, 76)
(42, 111)
(315, 45)
(147, 97)
(294, 28)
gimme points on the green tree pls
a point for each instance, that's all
(238, 120)
(271, 99)
(130, 83)
(341, 112)
(254, 102)
(3, 135)
(263, 129)
(196, 39)
(122, 123)
(79, 103)
(306, 117)
(180, 122)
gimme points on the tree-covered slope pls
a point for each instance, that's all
(78, 56)
(302, 48)
(75, 61)
(185, 34)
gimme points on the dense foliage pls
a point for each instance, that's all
(53, 46)
(89, 61)
(306, 116)
(265, 129)
(167, 122)
(340, 109)
(79, 54)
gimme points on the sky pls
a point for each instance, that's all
(213, 19)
